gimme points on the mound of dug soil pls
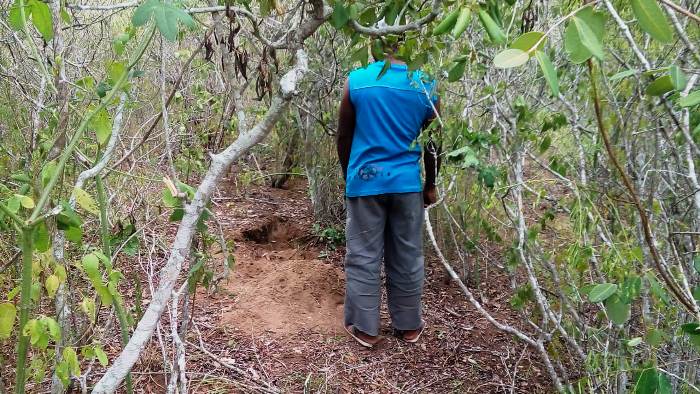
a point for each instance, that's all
(284, 295)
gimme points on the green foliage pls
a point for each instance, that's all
(341, 15)
(39, 13)
(601, 292)
(511, 58)
(549, 72)
(652, 20)
(8, 313)
(584, 34)
(493, 30)
(447, 23)
(652, 381)
(166, 15)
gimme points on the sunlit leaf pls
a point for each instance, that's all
(52, 282)
(7, 319)
(527, 42)
(41, 18)
(510, 58)
(101, 123)
(101, 356)
(85, 200)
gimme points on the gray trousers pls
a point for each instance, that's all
(389, 226)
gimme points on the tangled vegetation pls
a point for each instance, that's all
(570, 133)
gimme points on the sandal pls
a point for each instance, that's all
(353, 331)
(401, 334)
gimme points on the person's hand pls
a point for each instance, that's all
(429, 196)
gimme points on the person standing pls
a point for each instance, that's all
(383, 111)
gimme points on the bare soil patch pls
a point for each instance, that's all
(280, 317)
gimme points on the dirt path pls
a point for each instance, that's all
(279, 318)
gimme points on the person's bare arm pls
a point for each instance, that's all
(431, 160)
(346, 130)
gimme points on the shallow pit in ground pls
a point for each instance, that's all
(274, 231)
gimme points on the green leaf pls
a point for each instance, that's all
(456, 72)
(618, 311)
(144, 12)
(13, 203)
(47, 172)
(60, 272)
(601, 292)
(385, 68)
(166, 23)
(511, 58)
(634, 342)
(693, 332)
(101, 356)
(467, 156)
(15, 17)
(630, 289)
(655, 337)
(690, 100)
(652, 20)
(696, 263)
(651, 381)
(360, 55)
(660, 86)
(677, 77)
(119, 43)
(85, 201)
(340, 16)
(578, 53)
(74, 234)
(492, 29)
(550, 74)
(588, 37)
(91, 266)
(51, 284)
(88, 307)
(115, 70)
(65, 16)
(7, 319)
(465, 16)
(487, 176)
(623, 74)
(377, 50)
(26, 201)
(41, 238)
(41, 18)
(71, 358)
(527, 42)
(52, 327)
(101, 122)
(446, 24)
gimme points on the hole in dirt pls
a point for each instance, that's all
(274, 230)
